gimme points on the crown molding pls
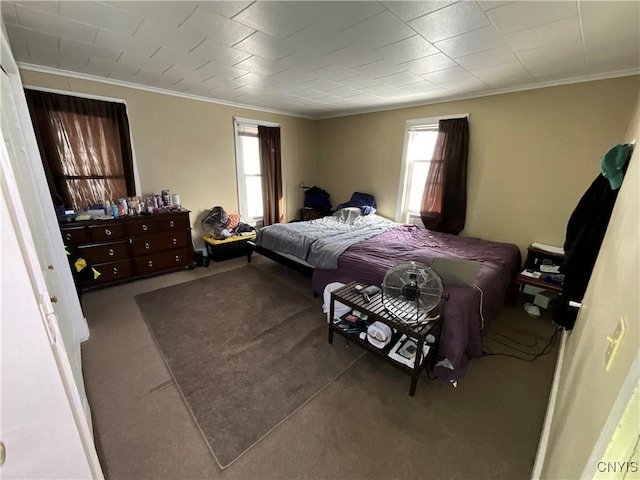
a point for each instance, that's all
(146, 88)
(417, 103)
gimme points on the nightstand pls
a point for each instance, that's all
(312, 213)
(535, 258)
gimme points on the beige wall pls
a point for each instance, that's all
(532, 155)
(188, 146)
(587, 392)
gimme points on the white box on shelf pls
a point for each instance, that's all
(545, 299)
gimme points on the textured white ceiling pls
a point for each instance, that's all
(321, 59)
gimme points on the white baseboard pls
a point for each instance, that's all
(548, 418)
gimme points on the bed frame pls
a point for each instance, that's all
(276, 257)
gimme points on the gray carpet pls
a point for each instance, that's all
(246, 352)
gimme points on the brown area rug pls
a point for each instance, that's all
(245, 350)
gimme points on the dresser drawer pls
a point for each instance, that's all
(75, 235)
(107, 252)
(174, 222)
(143, 227)
(111, 272)
(163, 261)
(100, 233)
(159, 243)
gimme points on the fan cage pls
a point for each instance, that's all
(411, 291)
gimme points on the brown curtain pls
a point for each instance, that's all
(444, 202)
(271, 173)
(85, 147)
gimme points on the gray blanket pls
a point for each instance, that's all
(320, 242)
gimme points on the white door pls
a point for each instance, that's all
(43, 429)
(33, 191)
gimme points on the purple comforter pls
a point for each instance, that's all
(463, 326)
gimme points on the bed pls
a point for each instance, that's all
(363, 248)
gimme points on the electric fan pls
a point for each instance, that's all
(410, 291)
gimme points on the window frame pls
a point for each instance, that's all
(240, 175)
(406, 168)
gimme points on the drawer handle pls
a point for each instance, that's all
(68, 236)
(115, 270)
(144, 227)
(174, 241)
(177, 258)
(171, 224)
(150, 263)
(107, 231)
(146, 245)
(111, 252)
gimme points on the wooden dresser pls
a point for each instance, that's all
(132, 247)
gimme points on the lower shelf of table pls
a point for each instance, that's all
(383, 352)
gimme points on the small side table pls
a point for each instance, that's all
(313, 214)
(535, 258)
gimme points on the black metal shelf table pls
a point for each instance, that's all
(375, 310)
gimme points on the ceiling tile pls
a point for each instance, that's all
(560, 74)
(359, 82)
(410, 10)
(344, 92)
(171, 13)
(171, 56)
(214, 69)
(380, 68)
(216, 52)
(117, 41)
(317, 40)
(216, 27)
(23, 35)
(504, 75)
(56, 59)
(265, 47)
(261, 66)
(521, 15)
(382, 90)
(553, 59)
(225, 8)
(473, 42)
(102, 15)
(378, 31)
(456, 19)
(336, 16)
(151, 30)
(353, 55)
(429, 64)
(311, 94)
(335, 73)
(489, 5)
(291, 78)
(464, 85)
(280, 19)
(52, 7)
(401, 79)
(547, 34)
(447, 75)
(487, 59)
(321, 85)
(421, 87)
(105, 68)
(55, 25)
(408, 49)
(8, 11)
(90, 50)
(613, 56)
(149, 65)
(304, 61)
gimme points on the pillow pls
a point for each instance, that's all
(348, 214)
(234, 220)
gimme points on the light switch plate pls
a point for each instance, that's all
(614, 344)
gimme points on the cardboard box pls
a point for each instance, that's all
(545, 299)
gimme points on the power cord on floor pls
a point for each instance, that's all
(546, 350)
(535, 341)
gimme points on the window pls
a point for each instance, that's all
(420, 141)
(248, 167)
(85, 147)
